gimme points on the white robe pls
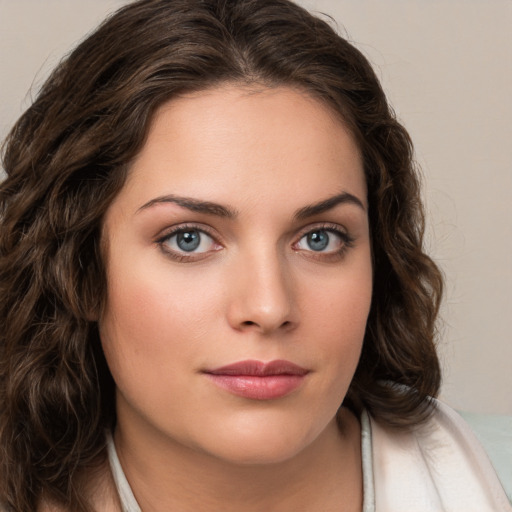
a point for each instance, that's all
(437, 467)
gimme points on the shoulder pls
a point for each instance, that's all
(438, 466)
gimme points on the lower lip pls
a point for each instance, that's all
(268, 387)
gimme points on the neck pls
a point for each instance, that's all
(325, 476)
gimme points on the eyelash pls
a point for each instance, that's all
(347, 242)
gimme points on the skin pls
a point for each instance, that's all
(254, 289)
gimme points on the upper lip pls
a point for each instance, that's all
(259, 368)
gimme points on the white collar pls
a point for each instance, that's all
(128, 501)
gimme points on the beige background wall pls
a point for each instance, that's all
(447, 68)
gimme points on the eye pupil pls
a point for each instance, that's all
(188, 240)
(318, 240)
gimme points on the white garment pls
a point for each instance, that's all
(128, 501)
(437, 467)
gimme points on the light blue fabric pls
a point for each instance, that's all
(495, 434)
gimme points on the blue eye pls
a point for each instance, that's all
(318, 240)
(323, 240)
(188, 241)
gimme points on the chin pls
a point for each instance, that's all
(262, 445)
(259, 453)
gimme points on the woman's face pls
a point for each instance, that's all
(240, 239)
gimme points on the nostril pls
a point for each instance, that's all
(249, 323)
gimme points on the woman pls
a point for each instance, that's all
(215, 293)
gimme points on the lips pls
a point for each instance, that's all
(257, 380)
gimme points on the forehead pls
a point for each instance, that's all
(229, 141)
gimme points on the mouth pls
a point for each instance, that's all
(257, 380)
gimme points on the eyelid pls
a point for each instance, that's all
(327, 226)
(184, 226)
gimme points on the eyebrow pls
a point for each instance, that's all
(210, 208)
(194, 205)
(328, 204)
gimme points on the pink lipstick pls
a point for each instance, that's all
(257, 380)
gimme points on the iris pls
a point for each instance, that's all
(318, 240)
(188, 240)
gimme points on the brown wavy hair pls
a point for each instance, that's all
(66, 160)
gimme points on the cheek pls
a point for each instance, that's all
(341, 302)
(149, 336)
(155, 316)
(337, 317)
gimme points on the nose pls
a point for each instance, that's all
(262, 297)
